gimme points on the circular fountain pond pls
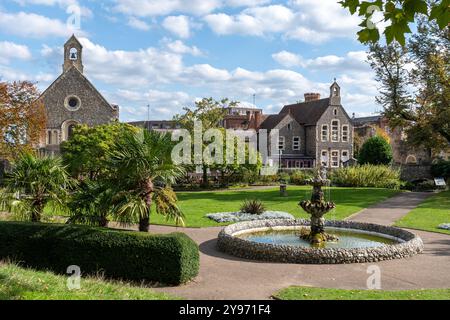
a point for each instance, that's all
(280, 241)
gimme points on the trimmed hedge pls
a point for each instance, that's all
(171, 258)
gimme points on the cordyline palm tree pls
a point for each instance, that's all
(32, 183)
(143, 171)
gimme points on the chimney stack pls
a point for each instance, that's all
(312, 97)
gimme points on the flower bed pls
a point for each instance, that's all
(225, 217)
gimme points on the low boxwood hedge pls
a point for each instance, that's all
(169, 258)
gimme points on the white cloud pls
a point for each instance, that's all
(33, 25)
(146, 8)
(288, 59)
(310, 21)
(252, 21)
(353, 61)
(178, 25)
(138, 24)
(318, 21)
(10, 51)
(179, 47)
(85, 11)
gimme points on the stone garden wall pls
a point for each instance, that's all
(415, 172)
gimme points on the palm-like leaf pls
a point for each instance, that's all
(143, 169)
(91, 204)
(32, 183)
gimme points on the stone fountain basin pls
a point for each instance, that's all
(407, 244)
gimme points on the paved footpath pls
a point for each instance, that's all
(225, 277)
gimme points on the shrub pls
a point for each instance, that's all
(376, 151)
(367, 176)
(300, 177)
(441, 169)
(426, 185)
(255, 207)
(170, 259)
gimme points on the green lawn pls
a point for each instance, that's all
(25, 284)
(196, 204)
(306, 293)
(429, 215)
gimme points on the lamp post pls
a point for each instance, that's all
(280, 153)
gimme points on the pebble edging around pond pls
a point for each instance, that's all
(229, 243)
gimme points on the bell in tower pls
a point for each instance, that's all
(73, 54)
(335, 94)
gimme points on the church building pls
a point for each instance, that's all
(72, 100)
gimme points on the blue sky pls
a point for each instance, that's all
(168, 53)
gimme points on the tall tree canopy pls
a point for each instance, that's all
(400, 14)
(22, 118)
(415, 85)
(210, 113)
(86, 151)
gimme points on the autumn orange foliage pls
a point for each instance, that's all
(22, 118)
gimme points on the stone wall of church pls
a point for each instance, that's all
(93, 109)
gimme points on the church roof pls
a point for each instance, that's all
(74, 39)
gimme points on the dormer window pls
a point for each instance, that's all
(73, 54)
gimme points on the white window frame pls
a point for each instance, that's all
(342, 155)
(337, 130)
(296, 145)
(327, 162)
(322, 131)
(338, 159)
(347, 133)
(281, 143)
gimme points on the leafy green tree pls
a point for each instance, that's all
(415, 85)
(234, 170)
(141, 174)
(32, 183)
(210, 113)
(399, 13)
(376, 151)
(86, 151)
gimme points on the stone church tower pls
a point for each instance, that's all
(72, 100)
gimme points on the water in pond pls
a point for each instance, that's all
(347, 238)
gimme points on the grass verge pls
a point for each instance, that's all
(307, 293)
(429, 215)
(18, 283)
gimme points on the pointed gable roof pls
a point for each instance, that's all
(272, 121)
(74, 39)
(84, 78)
(307, 113)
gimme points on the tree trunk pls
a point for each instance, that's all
(144, 221)
(103, 222)
(36, 211)
(205, 177)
